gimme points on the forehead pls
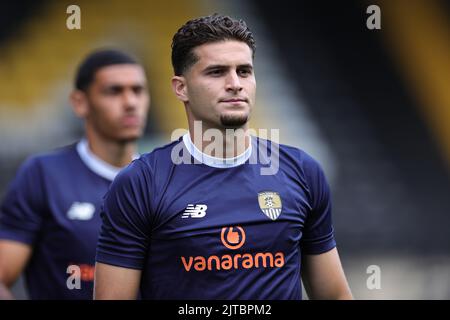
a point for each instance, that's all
(120, 74)
(223, 53)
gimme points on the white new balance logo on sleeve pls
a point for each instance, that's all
(197, 211)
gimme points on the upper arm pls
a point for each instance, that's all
(124, 236)
(324, 277)
(20, 220)
(317, 233)
(125, 231)
(22, 209)
(115, 283)
(13, 258)
(322, 272)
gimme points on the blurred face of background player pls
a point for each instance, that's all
(219, 88)
(115, 104)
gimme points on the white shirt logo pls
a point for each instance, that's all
(199, 211)
(81, 211)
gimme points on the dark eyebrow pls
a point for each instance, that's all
(214, 67)
(113, 86)
(119, 86)
(223, 67)
(247, 66)
(138, 86)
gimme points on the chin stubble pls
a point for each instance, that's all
(233, 121)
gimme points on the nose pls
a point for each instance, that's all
(130, 99)
(233, 82)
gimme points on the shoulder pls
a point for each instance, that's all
(30, 180)
(290, 155)
(148, 164)
(46, 160)
(297, 163)
(160, 159)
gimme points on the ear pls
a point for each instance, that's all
(79, 103)
(179, 88)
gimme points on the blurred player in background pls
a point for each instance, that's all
(49, 218)
(218, 228)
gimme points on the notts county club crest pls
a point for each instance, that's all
(270, 204)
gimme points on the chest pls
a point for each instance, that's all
(223, 210)
(72, 219)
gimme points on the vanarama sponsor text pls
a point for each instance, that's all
(236, 261)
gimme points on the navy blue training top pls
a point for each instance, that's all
(53, 205)
(204, 228)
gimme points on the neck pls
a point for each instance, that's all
(117, 154)
(220, 142)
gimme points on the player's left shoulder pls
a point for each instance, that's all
(288, 153)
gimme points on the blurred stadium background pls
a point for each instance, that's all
(373, 106)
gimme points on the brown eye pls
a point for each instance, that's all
(244, 72)
(216, 72)
(113, 90)
(138, 90)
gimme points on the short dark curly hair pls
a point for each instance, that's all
(207, 29)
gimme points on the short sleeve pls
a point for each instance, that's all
(125, 231)
(318, 234)
(22, 209)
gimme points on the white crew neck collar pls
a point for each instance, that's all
(215, 161)
(97, 165)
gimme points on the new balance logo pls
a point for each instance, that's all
(81, 211)
(197, 211)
